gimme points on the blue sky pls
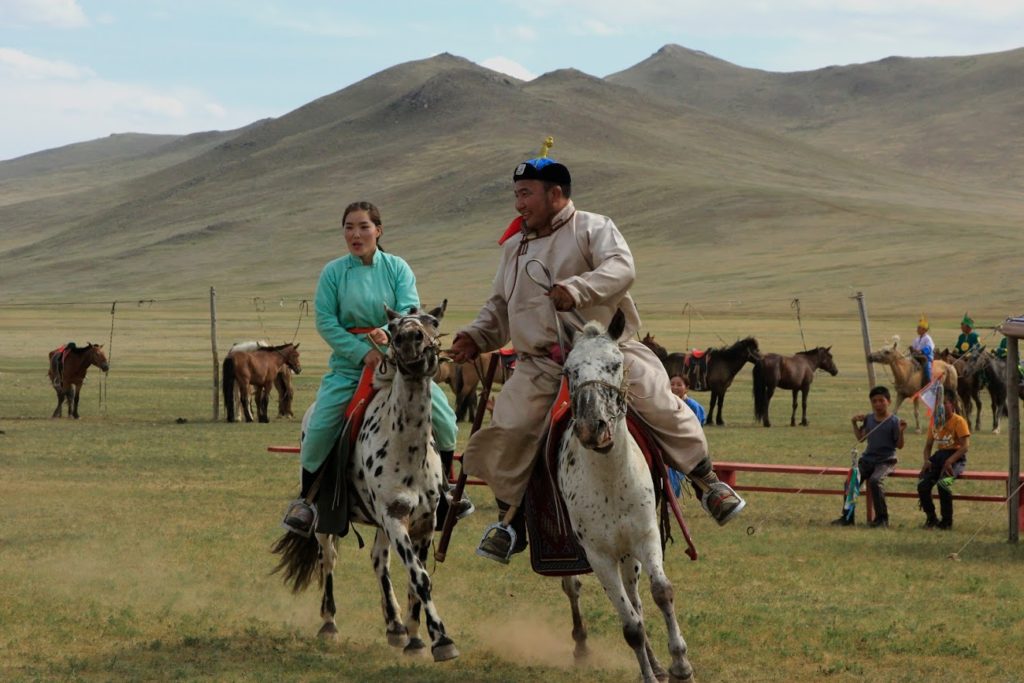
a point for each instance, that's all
(74, 70)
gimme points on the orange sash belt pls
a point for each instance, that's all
(360, 330)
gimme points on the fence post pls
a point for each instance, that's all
(1013, 413)
(867, 338)
(213, 344)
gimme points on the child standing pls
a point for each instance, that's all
(884, 434)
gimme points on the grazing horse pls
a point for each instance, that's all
(610, 497)
(282, 382)
(723, 364)
(67, 369)
(907, 375)
(395, 479)
(794, 372)
(258, 368)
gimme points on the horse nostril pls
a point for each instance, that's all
(419, 336)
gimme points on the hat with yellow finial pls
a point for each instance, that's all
(923, 321)
(543, 167)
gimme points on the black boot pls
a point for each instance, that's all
(945, 506)
(497, 541)
(465, 506)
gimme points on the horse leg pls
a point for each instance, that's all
(664, 596)
(394, 524)
(243, 391)
(792, 416)
(571, 586)
(59, 410)
(413, 611)
(977, 403)
(74, 393)
(803, 406)
(769, 392)
(328, 559)
(398, 635)
(607, 572)
(629, 571)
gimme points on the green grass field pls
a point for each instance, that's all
(136, 548)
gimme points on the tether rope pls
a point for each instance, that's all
(303, 310)
(796, 304)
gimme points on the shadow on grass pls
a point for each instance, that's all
(261, 656)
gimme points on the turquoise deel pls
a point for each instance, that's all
(351, 294)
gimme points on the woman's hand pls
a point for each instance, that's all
(372, 358)
(378, 336)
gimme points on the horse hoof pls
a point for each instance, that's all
(444, 650)
(415, 646)
(328, 632)
(681, 673)
(398, 638)
(581, 654)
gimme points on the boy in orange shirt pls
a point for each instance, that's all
(951, 434)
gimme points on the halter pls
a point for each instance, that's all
(428, 356)
(286, 360)
(621, 393)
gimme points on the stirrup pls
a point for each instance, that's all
(489, 535)
(288, 526)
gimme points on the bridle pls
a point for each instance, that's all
(621, 393)
(426, 362)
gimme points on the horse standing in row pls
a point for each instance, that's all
(282, 383)
(395, 480)
(259, 369)
(989, 370)
(722, 366)
(611, 501)
(971, 376)
(67, 368)
(908, 376)
(794, 372)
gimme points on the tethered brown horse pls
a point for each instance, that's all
(259, 368)
(722, 365)
(794, 372)
(68, 366)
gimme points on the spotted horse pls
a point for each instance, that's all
(610, 498)
(394, 480)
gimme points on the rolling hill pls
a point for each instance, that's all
(716, 208)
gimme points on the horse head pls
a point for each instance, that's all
(290, 353)
(825, 360)
(751, 348)
(886, 354)
(414, 345)
(96, 356)
(660, 351)
(597, 390)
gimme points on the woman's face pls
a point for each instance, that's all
(361, 235)
(678, 387)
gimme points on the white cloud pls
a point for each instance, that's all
(56, 13)
(594, 27)
(507, 66)
(317, 23)
(48, 104)
(23, 66)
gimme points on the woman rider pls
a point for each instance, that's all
(350, 299)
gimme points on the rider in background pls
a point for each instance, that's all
(924, 349)
(968, 339)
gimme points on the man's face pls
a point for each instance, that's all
(880, 404)
(966, 329)
(534, 203)
(921, 329)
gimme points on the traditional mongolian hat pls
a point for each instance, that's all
(967, 320)
(543, 167)
(923, 321)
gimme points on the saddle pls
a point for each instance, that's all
(508, 362)
(696, 364)
(58, 359)
(335, 497)
(554, 550)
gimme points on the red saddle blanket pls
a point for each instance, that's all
(356, 409)
(554, 550)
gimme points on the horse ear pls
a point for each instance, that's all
(391, 314)
(617, 325)
(439, 311)
(829, 348)
(297, 345)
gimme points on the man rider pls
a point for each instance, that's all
(592, 269)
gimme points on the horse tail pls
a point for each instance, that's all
(760, 391)
(300, 560)
(228, 384)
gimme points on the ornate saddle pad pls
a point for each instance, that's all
(554, 550)
(508, 362)
(696, 364)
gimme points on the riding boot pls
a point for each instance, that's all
(301, 514)
(465, 506)
(946, 503)
(719, 500)
(497, 541)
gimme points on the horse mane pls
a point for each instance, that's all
(738, 343)
(279, 347)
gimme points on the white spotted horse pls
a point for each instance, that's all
(611, 501)
(394, 480)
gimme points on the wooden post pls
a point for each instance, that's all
(213, 344)
(1013, 411)
(867, 338)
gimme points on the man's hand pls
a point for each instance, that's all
(562, 298)
(463, 348)
(903, 425)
